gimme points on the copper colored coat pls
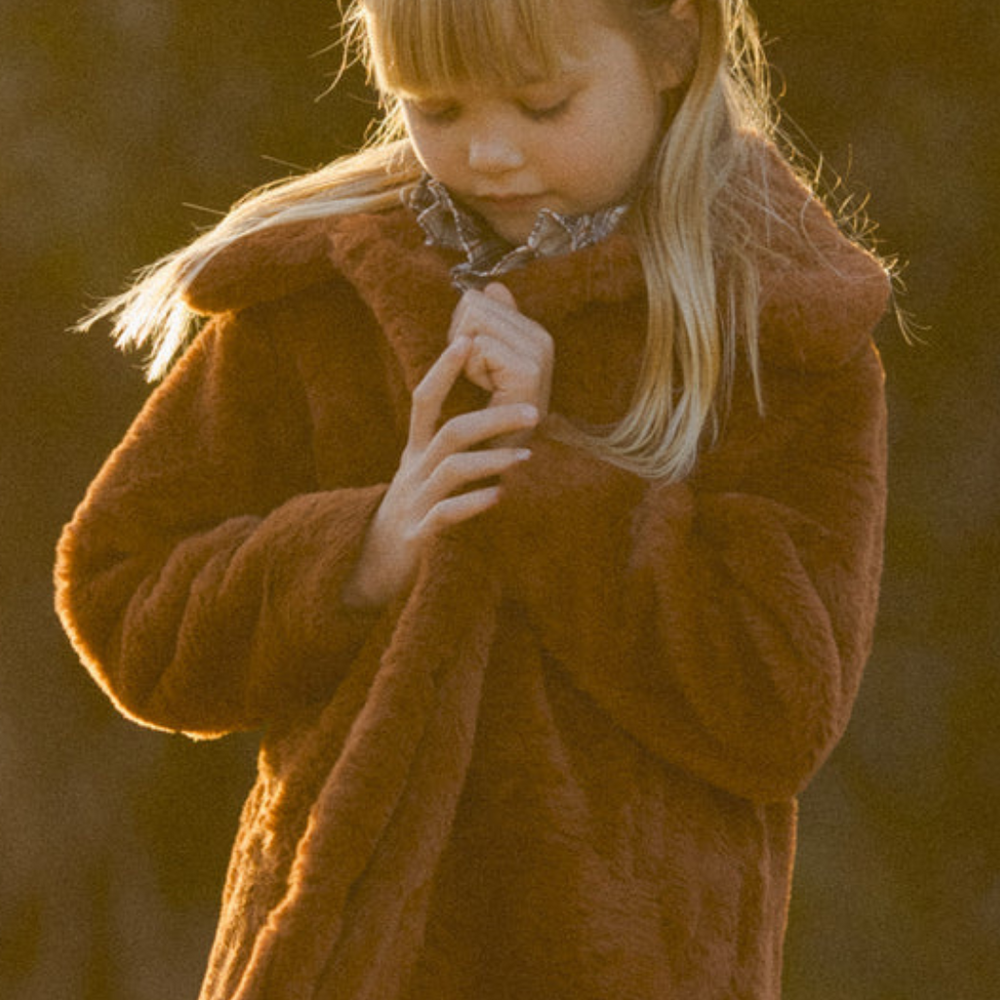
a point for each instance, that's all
(564, 767)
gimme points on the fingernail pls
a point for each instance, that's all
(523, 454)
(530, 413)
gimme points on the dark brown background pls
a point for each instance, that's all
(116, 115)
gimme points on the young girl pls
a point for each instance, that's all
(525, 487)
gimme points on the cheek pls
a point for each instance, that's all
(433, 150)
(634, 133)
(614, 146)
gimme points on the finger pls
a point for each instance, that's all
(456, 472)
(430, 394)
(500, 293)
(494, 357)
(510, 375)
(479, 314)
(478, 310)
(468, 430)
(455, 510)
(462, 314)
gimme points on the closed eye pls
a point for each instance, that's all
(436, 114)
(545, 112)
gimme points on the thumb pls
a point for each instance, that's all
(500, 293)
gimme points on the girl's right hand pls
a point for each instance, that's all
(428, 492)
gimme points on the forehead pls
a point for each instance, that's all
(420, 45)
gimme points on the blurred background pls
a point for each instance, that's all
(125, 123)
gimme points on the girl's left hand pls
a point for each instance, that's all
(512, 356)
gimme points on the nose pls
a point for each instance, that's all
(493, 152)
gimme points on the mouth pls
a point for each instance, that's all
(509, 202)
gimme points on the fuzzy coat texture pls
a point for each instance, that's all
(564, 767)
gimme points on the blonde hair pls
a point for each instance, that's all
(689, 218)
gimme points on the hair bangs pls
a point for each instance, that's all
(416, 46)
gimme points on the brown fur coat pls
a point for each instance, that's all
(564, 767)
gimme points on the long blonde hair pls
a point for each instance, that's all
(689, 217)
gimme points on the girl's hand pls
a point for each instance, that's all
(428, 492)
(512, 356)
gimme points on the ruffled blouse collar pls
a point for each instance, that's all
(486, 255)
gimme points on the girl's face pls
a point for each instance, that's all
(573, 141)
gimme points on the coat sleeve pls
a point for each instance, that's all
(199, 580)
(722, 622)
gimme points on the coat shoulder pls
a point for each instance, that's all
(269, 264)
(821, 292)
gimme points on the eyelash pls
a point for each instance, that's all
(548, 113)
(442, 117)
(449, 114)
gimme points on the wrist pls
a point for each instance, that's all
(379, 575)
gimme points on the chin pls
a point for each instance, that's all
(514, 231)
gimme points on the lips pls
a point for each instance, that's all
(509, 202)
(505, 195)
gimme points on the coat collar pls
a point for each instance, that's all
(408, 284)
(821, 295)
